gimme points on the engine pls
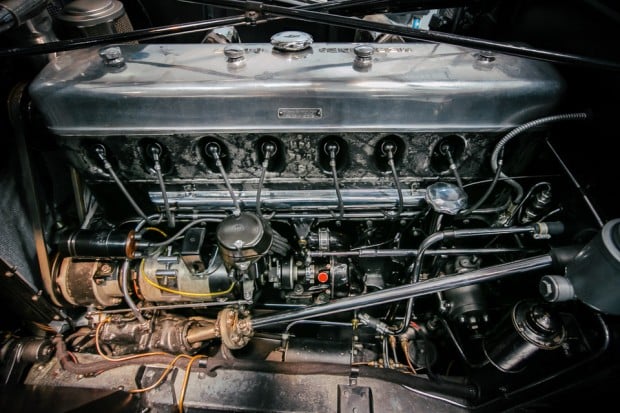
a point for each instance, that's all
(395, 211)
(286, 164)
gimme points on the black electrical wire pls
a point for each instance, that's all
(458, 346)
(100, 151)
(156, 152)
(124, 279)
(454, 169)
(338, 194)
(180, 233)
(214, 152)
(261, 182)
(332, 164)
(489, 190)
(392, 165)
(268, 153)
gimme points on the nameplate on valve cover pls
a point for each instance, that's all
(300, 113)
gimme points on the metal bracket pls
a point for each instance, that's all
(355, 372)
(354, 399)
(17, 104)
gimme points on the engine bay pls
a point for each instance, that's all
(369, 224)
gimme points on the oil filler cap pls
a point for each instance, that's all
(291, 41)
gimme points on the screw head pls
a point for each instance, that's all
(364, 51)
(112, 57)
(485, 56)
(234, 53)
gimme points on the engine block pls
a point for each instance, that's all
(419, 98)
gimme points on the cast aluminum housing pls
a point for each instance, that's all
(166, 89)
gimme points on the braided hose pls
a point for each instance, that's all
(516, 132)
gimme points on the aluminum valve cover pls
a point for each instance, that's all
(165, 89)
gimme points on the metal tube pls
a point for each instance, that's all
(124, 277)
(198, 334)
(374, 253)
(143, 34)
(176, 306)
(167, 31)
(317, 322)
(454, 234)
(457, 234)
(426, 35)
(407, 291)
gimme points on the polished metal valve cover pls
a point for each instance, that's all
(164, 89)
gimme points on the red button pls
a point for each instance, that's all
(323, 277)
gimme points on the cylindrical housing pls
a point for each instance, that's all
(309, 350)
(89, 282)
(160, 276)
(96, 17)
(243, 239)
(467, 305)
(595, 271)
(88, 243)
(529, 328)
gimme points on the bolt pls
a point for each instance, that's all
(112, 57)
(8, 274)
(485, 56)
(233, 52)
(364, 51)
